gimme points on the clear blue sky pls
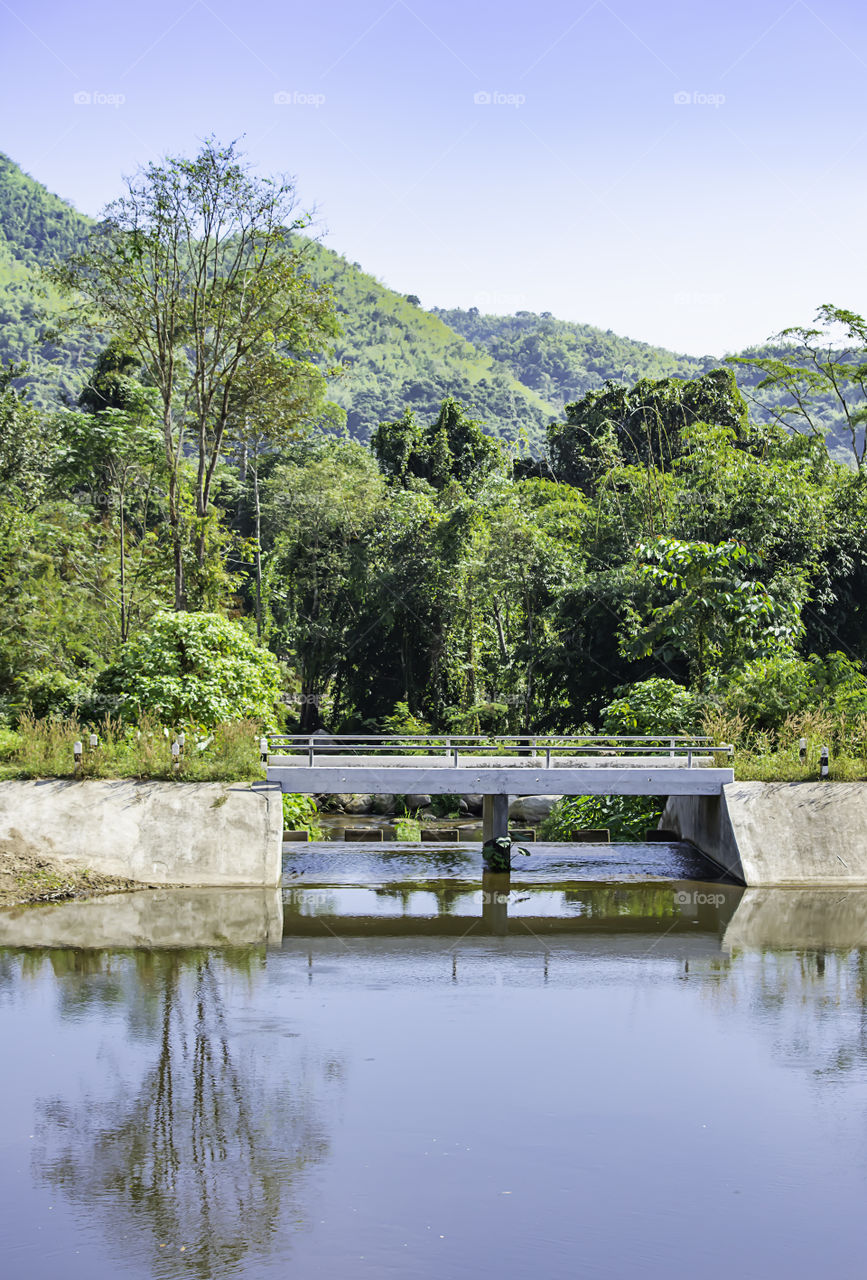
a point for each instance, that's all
(582, 187)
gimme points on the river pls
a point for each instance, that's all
(611, 1065)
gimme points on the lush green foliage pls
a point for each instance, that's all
(300, 814)
(651, 707)
(673, 556)
(454, 447)
(645, 425)
(625, 817)
(195, 668)
(768, 691)
(709, 612)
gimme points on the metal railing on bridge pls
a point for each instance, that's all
(561, 746)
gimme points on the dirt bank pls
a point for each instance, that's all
(26, 876)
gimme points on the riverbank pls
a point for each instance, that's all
(28, 877)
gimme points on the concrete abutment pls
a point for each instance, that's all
(779, 833)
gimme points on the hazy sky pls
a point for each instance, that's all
(687, 173)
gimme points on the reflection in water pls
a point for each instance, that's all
(657, 1048)
(206, 1152)
(496, 890)
(811, 1005)
(504, 906)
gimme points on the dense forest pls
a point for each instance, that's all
(663, 553)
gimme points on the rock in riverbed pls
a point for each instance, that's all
(358, 804)
(417, 801)
(532, 808)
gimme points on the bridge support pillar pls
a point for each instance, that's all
(495, 817)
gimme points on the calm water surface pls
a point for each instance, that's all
(609, 1066)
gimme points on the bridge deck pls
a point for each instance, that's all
(431, 776)
(497, 767)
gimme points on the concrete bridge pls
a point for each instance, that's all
(497, 767)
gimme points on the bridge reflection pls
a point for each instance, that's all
(505, 907)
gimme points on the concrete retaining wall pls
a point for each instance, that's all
(193, 833)
(779, 833)
(150, 918)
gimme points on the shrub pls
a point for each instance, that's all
(192, 668)
(655, 706)
(768, 691)
(404, 721)
(626, 817)
(300, 814)
(49, 693)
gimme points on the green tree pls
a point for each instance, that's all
(320, 510)
(707, 610)
(454, 447)
(193, 667)
(654, 706)
(114, 457)
(643, 425)
(195, 270)
(817, 375)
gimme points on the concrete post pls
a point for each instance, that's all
(495, 817)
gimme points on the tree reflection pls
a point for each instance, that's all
(813, 1000)
(206, 1154)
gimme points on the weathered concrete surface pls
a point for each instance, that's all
(779, 833)
(191, 833)
(150, 918)
(495, 817)
(815, 919)
(499, 778)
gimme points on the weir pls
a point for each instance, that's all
(498, 767)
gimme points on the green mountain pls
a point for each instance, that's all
(395, 354)
(513, 373)
(36, 228)
(562, 361)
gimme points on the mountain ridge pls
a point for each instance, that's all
(514, 373)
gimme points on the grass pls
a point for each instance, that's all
(773, 755)
(44, 749)
(407, 829)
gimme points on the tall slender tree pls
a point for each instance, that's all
(198, 269)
